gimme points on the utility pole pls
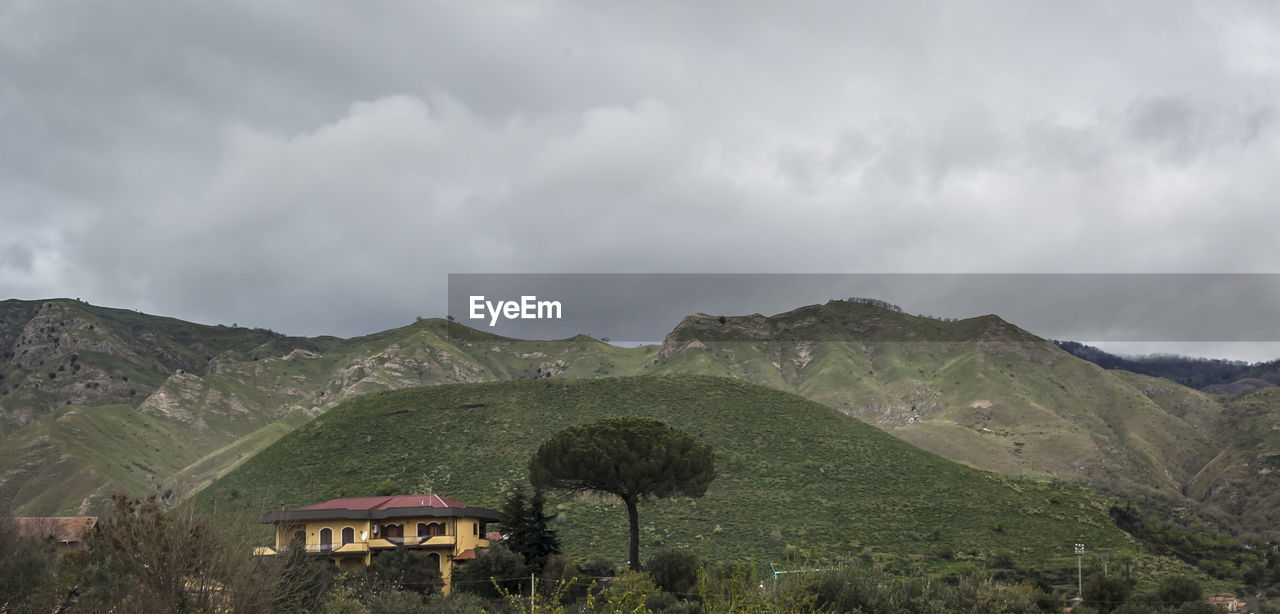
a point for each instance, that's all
(1106, 558)
(1079, 572)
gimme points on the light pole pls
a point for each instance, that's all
(1079, 573)
(1106, 558)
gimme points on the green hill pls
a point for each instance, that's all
(793, 474)
(178, 404)
(96, 400)
(1243, 481)
(980, 391)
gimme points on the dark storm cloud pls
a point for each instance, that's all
(320, 167)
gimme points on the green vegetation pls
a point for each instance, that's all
(223, 392)
(634, 459)
(979, 391)
(144, 558)
(528, 528)
(793, 474)
(95, 401)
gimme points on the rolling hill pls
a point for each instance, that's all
(793, 475)
(96, 400)
(980, 391)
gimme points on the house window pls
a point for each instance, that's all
(392, 531)
(348, 535)
(475, 528)
(326, 538)
(431, 529)
(299, 537)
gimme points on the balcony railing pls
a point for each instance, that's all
(362, 546)
(419, 540)
(337, 548)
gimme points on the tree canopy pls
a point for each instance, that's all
(529, 528)
(633, 458)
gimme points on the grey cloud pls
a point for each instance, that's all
(318, 168)
(17, 258)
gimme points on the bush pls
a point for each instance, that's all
(599, 567)
(1179, 590)
(674, 571)
(144, 558)
(498, 565)
(560, 573)
(628, 592)
(28, 568)
(457, 603)
(395, 602)
(1105, 593)
(660, 602)
(407, 570)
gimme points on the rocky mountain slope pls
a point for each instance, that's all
(981, 390)
(96, 400)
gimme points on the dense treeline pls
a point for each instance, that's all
(1254, 566)
(1198, 373)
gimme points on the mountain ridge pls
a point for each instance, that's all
(979, 390)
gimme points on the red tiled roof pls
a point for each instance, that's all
(466, 555)
(378, 508)
(387, 502)
(67, 529)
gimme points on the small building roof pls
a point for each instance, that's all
(383, 503)
(379, 508)
(66, 529)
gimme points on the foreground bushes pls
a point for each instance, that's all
(146, 559)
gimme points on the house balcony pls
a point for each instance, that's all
(426, 541)
(326, 549)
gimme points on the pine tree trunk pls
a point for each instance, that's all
(634, 517)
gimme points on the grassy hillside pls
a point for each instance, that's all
(980, 391)
(1243, 481)
(223, 392)
(793, 474)
(75, 461)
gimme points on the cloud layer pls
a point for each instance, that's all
(319, 169)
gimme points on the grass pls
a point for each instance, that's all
(794, 475)
(83, 448)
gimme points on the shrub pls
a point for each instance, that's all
(1179, 589)
(599, 567)
(499, 566)
(407, 570)
(674, 571)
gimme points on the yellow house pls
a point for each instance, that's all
(350, 532)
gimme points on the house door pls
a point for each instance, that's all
(326, 538)
(348, 535)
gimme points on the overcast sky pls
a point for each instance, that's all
(320, 168)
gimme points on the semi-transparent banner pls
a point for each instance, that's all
(642, 308)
